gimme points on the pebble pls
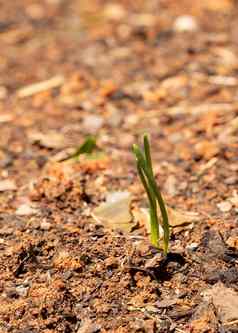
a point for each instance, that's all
(192, 246)
(22, 290)
(26, 210)
(93, 123)
(231, 180)
(45, 225)
(224, 206)
(185, 23)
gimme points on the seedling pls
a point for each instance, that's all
(146, 174)
(87, 147)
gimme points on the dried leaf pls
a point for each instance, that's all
(177, 218)
(115, 212)
(142, 216)
(225, 300)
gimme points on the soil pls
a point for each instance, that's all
(116, 70)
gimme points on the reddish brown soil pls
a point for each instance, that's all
(59, 271)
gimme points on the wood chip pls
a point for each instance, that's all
(36, 88)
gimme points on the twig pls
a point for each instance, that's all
(36, 88)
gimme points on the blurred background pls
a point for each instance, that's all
(114, 69)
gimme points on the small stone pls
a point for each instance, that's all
(45, 225)
(93, 123)
(185, 23)
(231, 180)
(224, 206)
(192, 246)
(26, 210)
(22, 290)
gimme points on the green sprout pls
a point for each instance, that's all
(146, 174)
(86, 148)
